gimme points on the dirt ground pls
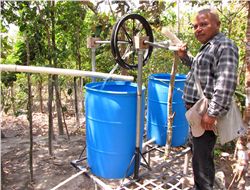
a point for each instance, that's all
(49, 171)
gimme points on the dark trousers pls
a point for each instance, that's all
(203, 160)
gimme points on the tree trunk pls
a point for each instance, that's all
(29, 106)
(50, 92)
(247, 63)
(55, 77)
(50, 101)
(12, 94)
(81, 98)
(2, 175)
(40, 91)
(30, 103)
(63, 116)
(76, 103)
(58, 106)
(80, 81)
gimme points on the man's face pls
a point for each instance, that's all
(205, 27)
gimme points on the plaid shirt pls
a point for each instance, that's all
(216, 67)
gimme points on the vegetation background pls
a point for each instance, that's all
(54, 34)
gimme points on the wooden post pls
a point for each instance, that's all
(170, 118)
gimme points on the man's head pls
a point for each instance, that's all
(206, 25)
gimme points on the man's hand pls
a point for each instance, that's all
(208, 122)
(182, 50)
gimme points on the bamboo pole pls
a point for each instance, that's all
(171, 115)
(58, 71)
(175, 40)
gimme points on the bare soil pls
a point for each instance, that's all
(48, 170)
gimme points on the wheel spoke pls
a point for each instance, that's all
(123, 45)
(127, 35)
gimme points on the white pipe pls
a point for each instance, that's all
(144, 145)
(100, 182)
(57, 71)
(70, 178)
(148, 142)
(160, 45)
(108, 42)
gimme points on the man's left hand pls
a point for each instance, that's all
(208, 122)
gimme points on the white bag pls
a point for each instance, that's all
(194, 115)
(228, 127)
(231, 125)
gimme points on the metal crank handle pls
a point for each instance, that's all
(173, 48)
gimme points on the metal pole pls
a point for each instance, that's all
(185, 171)
(108, 42)
(93, 61)
(57, 71)
(138, 115)
(162, 45)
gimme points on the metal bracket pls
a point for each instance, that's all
(91, 42)
(140, 42)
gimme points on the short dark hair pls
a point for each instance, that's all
(211, 12)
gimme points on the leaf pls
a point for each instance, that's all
(22, 27)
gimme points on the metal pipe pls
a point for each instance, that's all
(102, 42)
(164, 46)
(70, 178)
(138, 115)
(145, 144)
(108, 42)
(148, 142)
(93, 61)
(139, 97)
(185, 166)
(57, 71)
(154, 44)
(100, 182)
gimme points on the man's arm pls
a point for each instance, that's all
(226, 81)
(183, 55)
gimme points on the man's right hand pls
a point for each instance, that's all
(182, 50)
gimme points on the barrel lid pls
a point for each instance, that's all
(167, 76)
(113, 87)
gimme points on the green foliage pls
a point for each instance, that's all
(217, 152)
(8, 78)
(70, 23)
(5, 47)
(75, 21)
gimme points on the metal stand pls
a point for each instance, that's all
(164, 174)
(140, 46)
(138, 115)
(91, 43)
(93, 58)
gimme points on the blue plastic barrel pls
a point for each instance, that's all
(111, 127)
(157, 115)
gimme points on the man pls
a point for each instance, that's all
(215, 66)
